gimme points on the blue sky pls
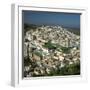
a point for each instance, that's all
(52, 18)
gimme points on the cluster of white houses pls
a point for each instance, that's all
(45, 58)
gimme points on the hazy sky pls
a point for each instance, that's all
(52, 18)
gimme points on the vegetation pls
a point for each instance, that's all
(26, 61)
(50, 45)
(65, 49)
(28, 27)
(73, 69)
(75, 31)
(38, 53)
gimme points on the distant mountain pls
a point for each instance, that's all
(73, 30)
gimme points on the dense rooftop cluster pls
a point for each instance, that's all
(51, 51)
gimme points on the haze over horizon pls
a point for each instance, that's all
(52, 18)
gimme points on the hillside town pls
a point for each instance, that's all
(51, 51)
